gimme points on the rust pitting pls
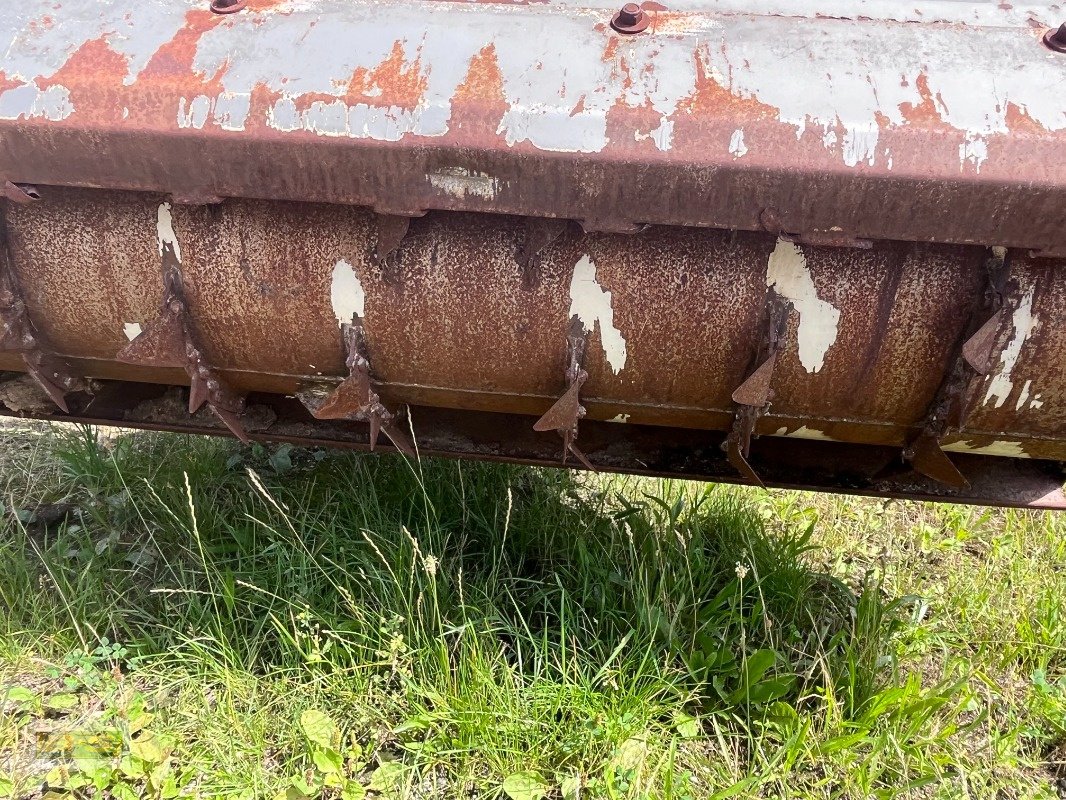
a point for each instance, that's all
(18, 334)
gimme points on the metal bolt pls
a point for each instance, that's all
(227, 6)
(1056, 39)
(631, 19)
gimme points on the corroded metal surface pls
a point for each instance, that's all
(674, 320)
(865, 119)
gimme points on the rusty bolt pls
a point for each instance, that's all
(227, 6)
(631, 19)
(1055, 39)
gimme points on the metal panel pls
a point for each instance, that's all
(833, 124)
(455, 319)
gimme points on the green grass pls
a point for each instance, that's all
(187, 617)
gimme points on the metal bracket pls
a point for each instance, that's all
(169, 341)
(540, 234)
(953, 401)
(355, 398)
(754, 395)
(391, 230)
(567, 411)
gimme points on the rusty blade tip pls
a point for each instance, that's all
(564, 413)
(755, 390)
(929, 459)
(740, 464)
(232, 422)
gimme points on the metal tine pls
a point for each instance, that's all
(355, 399)
(168, 341)
(231, 421)
(399, 439)
(978, 348)
(392, 229)
(928, 458)
(51, 373)
(566, 411)
(952, 403)
(755, 390)
(754, 394)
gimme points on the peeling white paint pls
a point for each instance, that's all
(803, 432)
(359, 121)
(194, 114)
(591, 303)
(662, 135)
(1001, 384)
(461, 183)
(131, 330)
(231, 110)
(860, 144)
(736, 144)
(974, 149)
(28, 101)
(1027, 399)
(558, 84)
(619, 418)
(788, 273)
(1009, 449)
(165, 231)
(346, 293)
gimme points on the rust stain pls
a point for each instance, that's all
(402, 83)
(1019, 122)
(926, 112)
(711, 98)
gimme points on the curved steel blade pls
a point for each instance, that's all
(755, 390)
(930, 460)
(565, 413)
(347, 400)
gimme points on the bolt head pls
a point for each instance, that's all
(630, 19)
(1055, 39)
(227, 6)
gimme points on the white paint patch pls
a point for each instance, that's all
(1025, 322)
(619, 418)
(194, 115)
(662, 135)
(1009, 449)
(974, 149)
(592, 303)
(860, 144)
(131, 329)
(803, 432)
(346, 293)
(231, 110)
(28, 101)
(461, 183)
(1027, 399)
(788, 273)
(165, 231)
(736, 144)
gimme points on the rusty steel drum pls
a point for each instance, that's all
(792, 244)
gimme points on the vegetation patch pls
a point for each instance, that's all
(187, 617)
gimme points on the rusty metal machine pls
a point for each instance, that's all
(788, 243)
